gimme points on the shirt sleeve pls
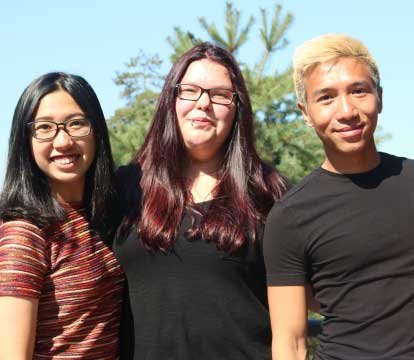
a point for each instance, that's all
(283, 249)
(23, 259)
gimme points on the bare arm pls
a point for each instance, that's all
(288, 315)
(18, 317)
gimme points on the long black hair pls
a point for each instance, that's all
(247, 186)
(26, 192)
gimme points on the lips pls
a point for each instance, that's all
(201, 122)
(350, 131)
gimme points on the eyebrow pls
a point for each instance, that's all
(50, 118)
(214, 87)
(318, 92)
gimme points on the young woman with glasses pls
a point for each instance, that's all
(190, 245)
(60, 285)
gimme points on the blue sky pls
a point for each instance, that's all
(95, 38)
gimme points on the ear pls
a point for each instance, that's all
(379, 92)
(306, 117)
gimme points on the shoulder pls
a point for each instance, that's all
(308, 184)
(128, 178)
(281, 223)
(20, 238)
(288, 214)
(397, 165)
(20, 227)
(22, 234)
(401, 161)
(23, 259)
(129, 172)
(393, 160)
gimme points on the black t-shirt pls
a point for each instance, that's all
(352, 238)
(193, 302)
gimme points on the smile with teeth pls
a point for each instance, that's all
(64, 159)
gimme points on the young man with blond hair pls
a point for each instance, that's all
(347, 229)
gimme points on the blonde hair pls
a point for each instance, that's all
(327, 48)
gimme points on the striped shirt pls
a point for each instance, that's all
(76, 279)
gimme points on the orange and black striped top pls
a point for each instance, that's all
(76, 279)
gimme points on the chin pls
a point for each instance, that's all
(68, 180)
(355, 149)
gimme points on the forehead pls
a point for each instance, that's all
(207, 73)
(337, 73)
(57, 103)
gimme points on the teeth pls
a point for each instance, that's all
(64, 160)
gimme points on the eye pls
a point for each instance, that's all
(360, 91)
(43, 126)
(325, 98)
(77, 123)
(223, 93)
(188, 89)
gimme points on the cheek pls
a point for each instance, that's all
(373, 108)
(39, 153)
(182, 108)
(226, 115)
(321, 117)
(90, 149)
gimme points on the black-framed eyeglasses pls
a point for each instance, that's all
(47, 130)
(217, 95)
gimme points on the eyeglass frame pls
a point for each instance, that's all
(59, 125)
(203, 90)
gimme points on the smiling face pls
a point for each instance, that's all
(343, 106)
(205, 126)
(64, 160)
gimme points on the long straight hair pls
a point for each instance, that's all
(247, 186)
(26, 192)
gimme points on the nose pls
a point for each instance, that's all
(204, 100)
(62, 140)
(345, 109)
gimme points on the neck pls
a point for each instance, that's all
(198, 168)
(351, 163)
(66, 194)
(202, 178)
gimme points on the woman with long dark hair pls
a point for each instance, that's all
(191, 244)
(60, 285)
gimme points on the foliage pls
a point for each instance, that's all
(235, 37)
(291, 145)
(312, 342)
(282, 137)
(145, 76)
(181, 42)
(129, 126)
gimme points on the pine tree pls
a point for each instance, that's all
(282, 138)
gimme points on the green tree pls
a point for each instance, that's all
(282, 137)
(234, 36)
(140, 87)
(129, 126)
(181, 41)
